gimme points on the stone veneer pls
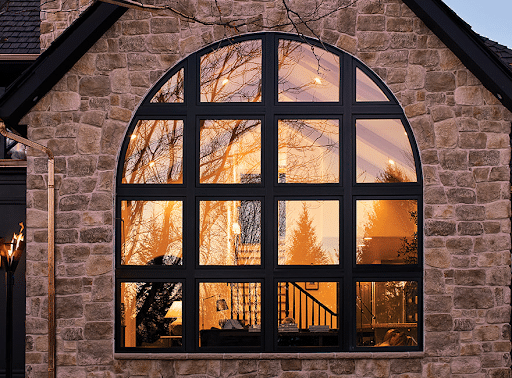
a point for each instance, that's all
(462, 132)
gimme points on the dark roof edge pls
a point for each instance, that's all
(53, 63)
(457, 35)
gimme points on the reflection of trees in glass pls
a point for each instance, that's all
(151, 229)
(153, 300)
(230, 233)
(386, 220)
(230, 150)
(389, 302)
(172, 90)
(308, 151)
(304, 247)
(155, 153)
(232, 73)
(307, 73)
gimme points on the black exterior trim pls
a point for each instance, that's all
(53, 64)
(467, 45)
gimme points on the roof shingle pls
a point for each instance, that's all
(19, 27)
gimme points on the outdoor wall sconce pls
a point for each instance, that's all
(10, 255)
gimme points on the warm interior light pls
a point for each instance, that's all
(392, 162)
(16, 240)
(133, 136)
(151, 163)
(318, 80)
(175, 311)
(236, 228)
(225, 81)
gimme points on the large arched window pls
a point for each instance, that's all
(269, 199)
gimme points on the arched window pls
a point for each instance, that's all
(269, 199)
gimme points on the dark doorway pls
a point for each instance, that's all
(12, 212)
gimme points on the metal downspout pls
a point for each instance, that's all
(51, 243)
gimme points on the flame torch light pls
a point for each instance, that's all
(10, 254)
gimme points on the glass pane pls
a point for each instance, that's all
(307, 73)
(230, 151)
(232, 73)
(151, 314)
(366, 89)
(387, 313)
(387, 232)
(151, 232)
(155, 153)
(230, 232)
(307, 313)
(309, 151)
(308, 233)
(172, 90)
(384, 153)
(229, 314)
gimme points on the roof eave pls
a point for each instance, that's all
(467, 46)
(53, 63)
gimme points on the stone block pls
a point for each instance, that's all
(69, 307)
(439, 228)
(347, 21)
(268, 368)
(373, 41)
(429, 59)
(456, 160)
(425, 136)
(98, 330)
(95, 86)
(99, 264)
(72, 334)
(66, 286)
(484, 158)
(75, 254)
(374, 22)
(486, 333)
(472, 297)
(436, 81)
(470, 228)
(437, 258)
(438, 303)
(465, 365)
(463, 325)
(74, 202)
(438, 322)
(102, 289)
(88, 139)
(65, 101)
(470, 212)
(442, 344)
(374, 367)
(461, 195)
(94, 352)
(96, 235)
(80, 166)
(469, 96)
(488, 191)
(498, 315)
(446, 133)
(192, 367)
(434, 282)
(497, 210)
(287, 365)
(498, 276)
(470, 277)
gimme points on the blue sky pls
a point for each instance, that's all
(490, 18)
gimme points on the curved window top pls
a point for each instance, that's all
(269, 199)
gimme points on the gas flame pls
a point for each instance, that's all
(16, 240)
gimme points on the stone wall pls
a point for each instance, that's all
(462, 132)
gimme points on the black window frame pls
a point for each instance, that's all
(269, 191)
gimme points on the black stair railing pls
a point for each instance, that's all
(304, 308)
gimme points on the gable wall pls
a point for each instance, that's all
(462, 132)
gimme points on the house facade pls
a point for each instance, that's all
(401, 169)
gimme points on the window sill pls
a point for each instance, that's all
(266, 356)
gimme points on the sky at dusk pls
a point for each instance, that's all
(490, 18)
